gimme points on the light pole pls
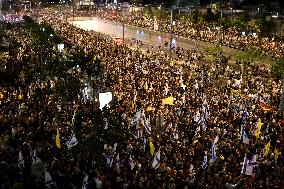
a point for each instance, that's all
(171, 36)
(123, 25)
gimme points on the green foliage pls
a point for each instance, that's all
(278, 68)
(250, 55)
(264, 26)
(196, 17)
(240, 22)
(209, 17)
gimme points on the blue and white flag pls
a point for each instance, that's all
(157, 159)
(35, 158)
(213, 155)
(204, 163)
(244, 138)
(249, 165)
(244, 116)
(85, 182)
(206, 111)
(20, 160)
(48, 180)
(72, 141)
(109, 160)
(131, 162)
(197, 117)
(196, 87)
(147, 125)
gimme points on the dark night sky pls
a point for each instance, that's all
(245, 2)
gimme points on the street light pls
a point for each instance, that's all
(171, 35)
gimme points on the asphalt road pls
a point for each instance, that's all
(114, 29)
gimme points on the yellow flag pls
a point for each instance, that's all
(57, 139)
(276, 152)
(172, 63)
(257, 132)
(152, 148)
(132, 105)
(146, 86)
(169, 100)
(267, 148)
(149, 108)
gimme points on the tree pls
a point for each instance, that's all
(278, 70)
(264, 26)
(209, 17)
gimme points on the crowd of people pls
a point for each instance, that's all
(231, 37)
(184, 123)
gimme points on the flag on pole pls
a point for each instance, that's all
(267, 148)
(169, 100)
(257, 132)
(152, 148)
(131, 162)
(204, 163)
(20, 160)
(85, 182)
(276, 153)
(35, 158)
(249, 165)
(213, 156)
(48, 180)
(146, 86)
(244, 138)
(109, 160)
(72, 142)
(147, 125)
(57, 139)
(156, 161)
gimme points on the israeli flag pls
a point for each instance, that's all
(147, 125)
(213, 156)
(204, 163)
(131, 162)
(20, 160)
(156, 161)
(35, 158)
(197, 117)
(206, 111)
(72, 142)
(109, 160)
(196, 87)
(85, 182)
(249, 165)
(48, 180)
(244, 138)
